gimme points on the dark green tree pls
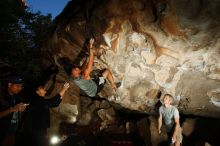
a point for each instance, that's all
(11, 11)
(21, 38)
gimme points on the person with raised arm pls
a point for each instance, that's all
(81, 75)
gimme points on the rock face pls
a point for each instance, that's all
(152, 46)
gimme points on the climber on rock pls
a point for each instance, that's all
(81, 75)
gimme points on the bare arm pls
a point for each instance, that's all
(88, 69)
(64, 89)
(159, 123)
(176, 128)
(6, 112)
(20, 107)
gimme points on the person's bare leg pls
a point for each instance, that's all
(108, 75)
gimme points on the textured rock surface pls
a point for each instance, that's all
(153, 47)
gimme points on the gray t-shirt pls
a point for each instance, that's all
(168, 115)
(87, 86)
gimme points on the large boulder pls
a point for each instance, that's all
(153, 47)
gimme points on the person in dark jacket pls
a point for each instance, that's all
(11, 107)
(40, 114)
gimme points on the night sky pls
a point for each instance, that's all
(47, 6)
